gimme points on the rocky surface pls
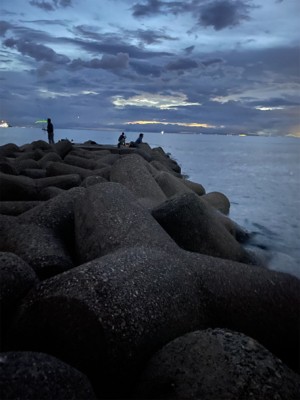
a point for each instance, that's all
(36, 376)
(213, 360)
(132, 256)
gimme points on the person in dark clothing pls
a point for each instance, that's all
(121, 140)
(138, 141)
(50, 131)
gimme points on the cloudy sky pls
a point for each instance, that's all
(209, 66)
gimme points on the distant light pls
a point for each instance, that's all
(77, 117)
(242, 135)
(162, 132)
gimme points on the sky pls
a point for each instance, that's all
(194, 66)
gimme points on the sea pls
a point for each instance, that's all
(260, 175)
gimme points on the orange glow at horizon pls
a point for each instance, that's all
(193, 124)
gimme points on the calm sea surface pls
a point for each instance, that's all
(259, 175)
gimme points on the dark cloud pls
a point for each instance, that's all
(151, 8)
(152, 37)
(114, 45)
(107, 62)
(155, 7)
(4, 27)
(213, 61)
(145, 68)
(189, 50)
(217, 13)
(37, 51)
(182, 64)
(51, 5)
(47, 22)
(224, 14)
(273, 102)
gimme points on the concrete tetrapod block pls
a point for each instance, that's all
(63, 147)
(37, 376)
(195, 187)
(195, 226)
(16, 208)
(218, 200)
(109, 316)
(162, 167)
(171, 185)
(25, 164)
(80, 162)
(16, 279)
(34, 173)
(133, 172)
(108, 217)
(8, 150)
(57, 215)
(17, 188)
(57, 168)
(36, 245)
(62, 181)
(92, 180)
(49, 158)
(217, 364)
(49, 192)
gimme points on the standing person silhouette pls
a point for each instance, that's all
(50, 131)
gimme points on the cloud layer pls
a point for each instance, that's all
(209, 66)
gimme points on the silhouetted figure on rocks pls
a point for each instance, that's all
(121, 140)
(137, 142)
(50, 131)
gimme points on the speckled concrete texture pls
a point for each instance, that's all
(107, 317)
(36, 376)
(216, 364)
(109, 217)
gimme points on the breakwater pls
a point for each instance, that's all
(114, 264)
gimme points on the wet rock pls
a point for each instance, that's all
(133, 172)
(37, 376)
(217, 200)
(194, 226)
(214, 364)
(108, 217)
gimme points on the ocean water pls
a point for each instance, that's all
(259, 175)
